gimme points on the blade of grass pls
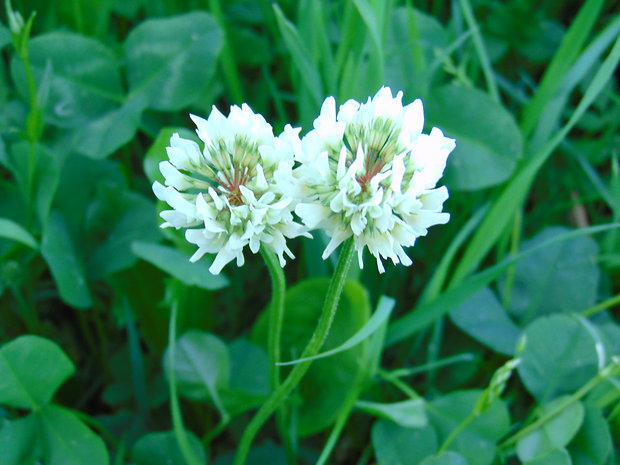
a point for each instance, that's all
(328, 65)
(570, 47)
(375, 77)
(427, 313)
(578, 72)
(301, 56)
(227, 56)
(480, 50)
(175, 408)
(516, 191)
(434, 286)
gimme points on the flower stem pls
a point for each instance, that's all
(612, 369)
(276, 317)
(276, 399)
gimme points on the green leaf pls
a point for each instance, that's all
(18, 441)
(104, 135)
(554, 434)
(67, 441)
(515, 192)
(409, 413)
(201, 368)
(483, 318)
(384, 309)
(46, 176)
(178, 265)
(565, 56)
(487, 146)
(397, 445)
(84, 82)
(157, 151)
(414, 39)
(592, 445)
(558, 278)
(477, 442)
(303, 305)
(31, 370)
(560, 356)
(118, 217)
(170, 60)
(67, 270)
(249, 377)
(428, 312)
(446, 458)
(5, 37)
(301, 56)
(555, 457)
(11, 230)
(162, 449)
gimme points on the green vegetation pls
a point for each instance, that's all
(500, 345)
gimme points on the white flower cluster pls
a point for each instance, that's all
(367, 172)
(231, 193)
(370, 173)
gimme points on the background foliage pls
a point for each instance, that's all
(527, 268)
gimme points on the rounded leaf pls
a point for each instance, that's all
(201, 365)
(68, 441)
(488, 141)
(79, 75)
(170, 60)
(32, 368)
(560, 356)
(396, 445)
(478, 442)
(554, 434)
(563, 277)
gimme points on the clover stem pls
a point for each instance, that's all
(276, 317)
(277, 398)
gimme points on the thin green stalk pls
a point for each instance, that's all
(227, 57)
(402, 372)
(276, 317)
(480, 50)
(342, 419)
(601, 306)
(514, 250)
(608, 371)
(456, 431)
(175, 408)
(278, 397)
(399, 383)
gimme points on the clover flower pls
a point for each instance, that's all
(232, 194)
(369, 172)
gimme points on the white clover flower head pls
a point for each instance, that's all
(235, 192)
(369, 172)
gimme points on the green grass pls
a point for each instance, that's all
(528, 266)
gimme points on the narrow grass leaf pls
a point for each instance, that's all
(426, 313)
(409, 413)
(301, 56)
(384, 309)
(480, 50)
(180, 433)
(178, 265)
(516, 191)
(9, 229)
(371, 19)
(569, 49)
